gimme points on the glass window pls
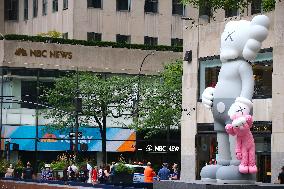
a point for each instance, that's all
(65, 4)
(26, 9)
(150, 40)
(256, 6)
(204, 9)
(29, 93)
(262, 70)
(151, 6)
(92, 36)
(94, 3)
(123, 5)
(231, 12)
(65, 35)
(35, 8)
(123, 38)
(11, 9)
(54, 5)
(44, 7)
(176, 42)
(177, 7)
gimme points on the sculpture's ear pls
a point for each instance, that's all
(257, 33)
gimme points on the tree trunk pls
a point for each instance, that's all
(103, 134)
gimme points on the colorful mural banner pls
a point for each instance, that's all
(118, 139)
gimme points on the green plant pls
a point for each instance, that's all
(268, 5)
(4, 164)
(53, 33)
(60, 164)
(121, 168)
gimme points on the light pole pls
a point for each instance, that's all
(139, 82)
(1, 103)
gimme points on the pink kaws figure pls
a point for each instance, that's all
(245, 147)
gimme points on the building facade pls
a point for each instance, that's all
(131, 21)
(26, 65)
(198, 138)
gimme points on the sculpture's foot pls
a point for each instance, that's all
(243, 169)
(252, 169)
(208, 173)
(231, 175)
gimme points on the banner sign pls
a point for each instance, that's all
(123, 139)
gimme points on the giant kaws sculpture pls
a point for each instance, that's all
(240, 42)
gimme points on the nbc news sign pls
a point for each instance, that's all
(43, 53)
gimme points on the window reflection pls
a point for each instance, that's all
(262, 72)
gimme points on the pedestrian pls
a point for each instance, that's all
(95, 175)
(65, 175)
(89, 168)
(27, 172)
(72, 169)
(164, 172)
(10, 172)
(107, 173)
(149, 173)
(281, 176)
(83, 173)
(101, 175)
(46, 173)
(176, 173)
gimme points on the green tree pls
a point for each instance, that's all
(102, 96)
(268, 5)
(160, 104)
(210, 6)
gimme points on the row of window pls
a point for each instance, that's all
(12, 8)
(150, 6)
(92, 36)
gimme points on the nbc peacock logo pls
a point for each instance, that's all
(21, 52)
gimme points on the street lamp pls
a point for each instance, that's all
(139, 82)
(1, 97)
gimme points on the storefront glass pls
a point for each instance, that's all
(262, 70)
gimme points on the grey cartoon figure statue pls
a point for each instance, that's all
(240, 43)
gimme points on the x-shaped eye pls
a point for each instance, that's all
(241, 110)
(230, 36)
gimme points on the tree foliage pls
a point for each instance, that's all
(268, 5)
(214, 5)
(101, 96)
(211, 6)
(160, 106)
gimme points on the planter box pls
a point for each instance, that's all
(122, 178)
(57, 174)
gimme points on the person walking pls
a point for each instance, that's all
(149, 173)
(10, 172)
(281, 176)
(164, 172)
(176, 174)
(27, 172)
(95, 175)
(89, 168)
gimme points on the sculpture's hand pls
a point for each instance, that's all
(239, 122)
(239, 155)
(207, 97)
(240, 107)
(229, 129)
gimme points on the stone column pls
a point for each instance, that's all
(277, 149)
(189, 103)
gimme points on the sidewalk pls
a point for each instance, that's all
(35, 184)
